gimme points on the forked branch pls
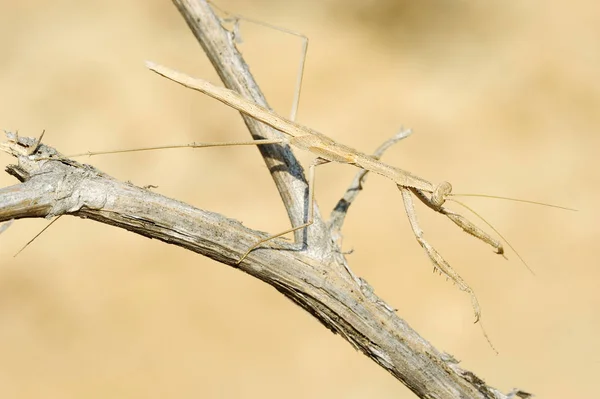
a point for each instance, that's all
(318, 280)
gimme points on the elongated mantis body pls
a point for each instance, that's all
(328, 150)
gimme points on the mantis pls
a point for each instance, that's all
(327, 150)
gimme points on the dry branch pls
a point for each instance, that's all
(319, 280)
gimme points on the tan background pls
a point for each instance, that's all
(503, 99)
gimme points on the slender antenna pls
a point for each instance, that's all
(515, 200)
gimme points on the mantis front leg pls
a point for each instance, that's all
(435, 202)
(437, 259)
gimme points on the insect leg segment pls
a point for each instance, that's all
(461, 221)
(437, 259)
(311, 202)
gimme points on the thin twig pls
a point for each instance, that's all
(339, 212)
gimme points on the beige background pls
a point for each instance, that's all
(503, 98)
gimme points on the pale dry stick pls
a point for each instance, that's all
(162, 147)
(327, 150)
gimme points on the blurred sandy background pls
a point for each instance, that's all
(503, 98)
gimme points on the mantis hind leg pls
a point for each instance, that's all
(235, 18)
